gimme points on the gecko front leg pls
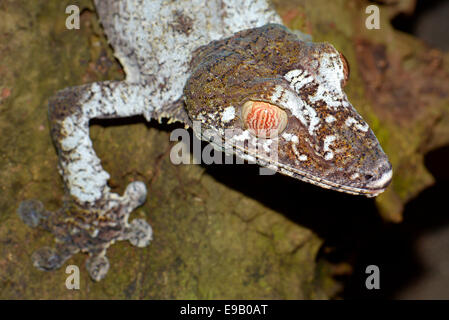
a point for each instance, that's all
(92, 217)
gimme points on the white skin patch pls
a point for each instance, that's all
(302, 111)
(266, 145)
(382, 180)
(363, 128)
(301, 157)
(354, 176)
(245, 135)
(290, 137)
(295, 139)
(295, 150)
(228, 114)
(248, 157)
(350, 121)
(330, 74)
(330, 119)
(298, 79)
(329, 154)
(331, 71)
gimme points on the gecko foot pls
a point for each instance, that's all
(89, 228)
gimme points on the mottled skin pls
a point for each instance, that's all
(252, 66)
(178, 68)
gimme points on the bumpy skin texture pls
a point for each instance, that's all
(160, 45)
(326, 141)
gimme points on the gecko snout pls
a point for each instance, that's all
(379, 175)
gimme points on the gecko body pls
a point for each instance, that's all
(232, 67)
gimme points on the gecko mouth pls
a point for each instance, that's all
(371, 183)
(376, 185)
(375, 181)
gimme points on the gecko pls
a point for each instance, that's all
(231, 66)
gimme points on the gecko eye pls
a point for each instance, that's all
(263, 119)
(345, 70)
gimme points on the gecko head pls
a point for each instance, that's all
(287, 110)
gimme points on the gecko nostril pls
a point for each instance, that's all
(380, 176)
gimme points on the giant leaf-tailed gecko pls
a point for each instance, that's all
(229, 65)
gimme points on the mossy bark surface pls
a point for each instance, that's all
(219, 231)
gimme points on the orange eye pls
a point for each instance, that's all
(345, 69)
(263, 119)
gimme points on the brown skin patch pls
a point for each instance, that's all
(252, 65)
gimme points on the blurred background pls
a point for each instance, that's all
(416, 252)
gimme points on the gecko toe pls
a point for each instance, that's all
(77, 228)
(136, 192)
(140, 233)
(31, 212)
(97, 266)
(47, 259)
